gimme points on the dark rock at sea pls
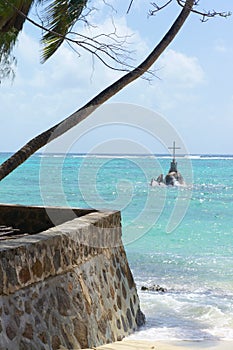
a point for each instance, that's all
(174, 178)
(154, 288)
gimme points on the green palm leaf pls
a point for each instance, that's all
(60, 16)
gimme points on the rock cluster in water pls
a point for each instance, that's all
(154, 288)
(173, 178)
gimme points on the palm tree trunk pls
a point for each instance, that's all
(41, 140)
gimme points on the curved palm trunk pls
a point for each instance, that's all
(41, 140)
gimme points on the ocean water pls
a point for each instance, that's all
(179, 238)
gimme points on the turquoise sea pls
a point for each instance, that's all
(179, 238)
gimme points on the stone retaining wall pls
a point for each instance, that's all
(69, 285)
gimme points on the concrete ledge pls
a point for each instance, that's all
(34, 219)
(35, 257)
(69, 285)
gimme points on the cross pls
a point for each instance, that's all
(174, 150)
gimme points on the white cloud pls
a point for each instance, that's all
(28, 49)
(180, 81)
(221, 48)
(180, 70)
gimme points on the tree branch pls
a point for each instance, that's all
(205, 14)
(131, 2)
(158, 8)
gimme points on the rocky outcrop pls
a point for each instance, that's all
(173, 178)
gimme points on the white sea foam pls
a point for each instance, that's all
(216, 157)
(186, 316)
(192, 157)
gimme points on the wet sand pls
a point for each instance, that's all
(181, 345)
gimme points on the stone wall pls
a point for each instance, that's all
(69, 285)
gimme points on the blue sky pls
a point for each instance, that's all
(193, 91)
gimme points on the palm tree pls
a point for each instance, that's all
(60, 22)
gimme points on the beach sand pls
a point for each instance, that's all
(180, 345)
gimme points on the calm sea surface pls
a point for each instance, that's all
(193, 260)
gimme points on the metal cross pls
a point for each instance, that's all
(174, 150)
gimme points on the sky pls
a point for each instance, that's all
(191, 90)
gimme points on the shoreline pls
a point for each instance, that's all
(162, 345)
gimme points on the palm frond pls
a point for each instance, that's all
(7, 59)
(11, 23)
(60, 16)
(10, 18)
